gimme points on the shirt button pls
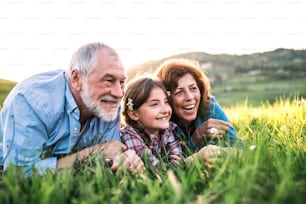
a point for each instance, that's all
(75, 129)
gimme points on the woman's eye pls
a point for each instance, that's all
(194, 88)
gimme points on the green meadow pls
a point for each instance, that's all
(263, 95)
(241, 91)
(255, 78)
(269, 169)
(5, 87)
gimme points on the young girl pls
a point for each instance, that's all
(147, 129)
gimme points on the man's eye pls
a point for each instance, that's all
(109, 80)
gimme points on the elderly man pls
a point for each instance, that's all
(51, 119)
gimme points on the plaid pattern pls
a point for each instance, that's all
(166, 145)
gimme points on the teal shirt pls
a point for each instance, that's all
(39, 122)
(215, 111)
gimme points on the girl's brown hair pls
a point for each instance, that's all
(171, 70)
(137, 92)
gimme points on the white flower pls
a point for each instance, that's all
(252, 147)
(130, 104)
(213, 131)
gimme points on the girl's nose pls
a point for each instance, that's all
(166, 108)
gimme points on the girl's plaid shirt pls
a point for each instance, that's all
(166, 145)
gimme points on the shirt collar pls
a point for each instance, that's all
(71, 105)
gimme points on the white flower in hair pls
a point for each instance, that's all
(168, 93)
(130, 104)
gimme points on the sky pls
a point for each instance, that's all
(42, 35)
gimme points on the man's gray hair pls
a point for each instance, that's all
(85, 58)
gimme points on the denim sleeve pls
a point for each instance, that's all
(24, 135)
(1, 140)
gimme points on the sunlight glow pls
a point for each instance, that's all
(39, 35)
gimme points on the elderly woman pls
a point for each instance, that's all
(200, 119)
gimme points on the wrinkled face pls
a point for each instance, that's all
(155, 113)
(186, 98)
(103, 90)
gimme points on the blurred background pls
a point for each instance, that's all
(252, 50)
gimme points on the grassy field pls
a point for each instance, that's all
(254, 93)
(238, 91)
(5, 87)
(274, 172)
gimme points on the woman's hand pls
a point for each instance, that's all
(207, 154)
(212, 128)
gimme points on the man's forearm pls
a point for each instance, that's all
(67, 161)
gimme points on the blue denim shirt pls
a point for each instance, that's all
(215, 111)
(39, 122)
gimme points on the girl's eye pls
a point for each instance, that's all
(178, 93)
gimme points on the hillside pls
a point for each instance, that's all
(257, 77)
(236, 79)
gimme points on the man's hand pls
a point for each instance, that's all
(108, 149)
(121, 157)
(114, 151)
(128, 160)
(111, 149)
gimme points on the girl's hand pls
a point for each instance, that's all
(175, 158)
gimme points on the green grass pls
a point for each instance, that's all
(5, 87)
(237, 90)
(259, 91)
(275, 172)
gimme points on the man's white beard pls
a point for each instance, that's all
(94, 106)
